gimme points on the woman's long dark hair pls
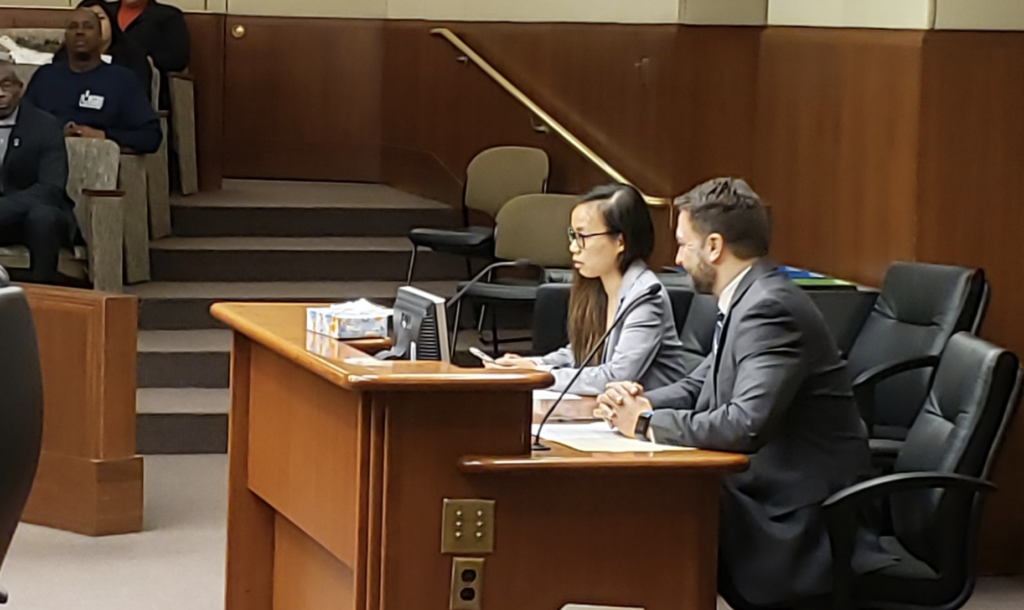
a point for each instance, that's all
(625, 214)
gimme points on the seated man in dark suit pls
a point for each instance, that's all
(774, 388)
(92, 98)
(35, 210)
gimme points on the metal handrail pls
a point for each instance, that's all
(539, 112)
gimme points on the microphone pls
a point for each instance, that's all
(520, 263)
(650, 292)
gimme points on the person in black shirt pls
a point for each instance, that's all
(160, 31)
(116, 46)
(35, 210)
(94, 99)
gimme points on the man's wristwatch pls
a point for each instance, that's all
(643, 423)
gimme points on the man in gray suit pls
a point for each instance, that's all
(774, 388)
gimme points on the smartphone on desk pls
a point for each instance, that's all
(481, 355)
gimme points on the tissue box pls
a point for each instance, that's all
(358, 320)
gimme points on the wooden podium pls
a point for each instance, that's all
(339, 467)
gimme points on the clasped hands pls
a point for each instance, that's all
(620, 405)
(74, 130)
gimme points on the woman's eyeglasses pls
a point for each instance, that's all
(580, 239)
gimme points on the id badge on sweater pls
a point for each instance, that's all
(93, 102)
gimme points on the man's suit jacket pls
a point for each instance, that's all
(776, 390)
(35, 167)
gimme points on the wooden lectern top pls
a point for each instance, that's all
(281, 327)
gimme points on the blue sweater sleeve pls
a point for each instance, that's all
(138, 126)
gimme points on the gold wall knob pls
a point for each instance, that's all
(238, 31)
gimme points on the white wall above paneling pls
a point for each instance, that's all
(583, 11)
(723, 12)
(37, 3)
(979, 15)
(356, 9)
(894, 14)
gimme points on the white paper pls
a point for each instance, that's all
(24, 56)
(597, 437)
(549, 395)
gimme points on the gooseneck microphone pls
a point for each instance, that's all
(650, 292)
(521, 263)
(457, 299)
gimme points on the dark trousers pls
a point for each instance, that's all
(42, 228)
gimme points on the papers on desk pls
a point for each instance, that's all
(549, 395)
(597, 437)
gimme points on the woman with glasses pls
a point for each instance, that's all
(610, 236)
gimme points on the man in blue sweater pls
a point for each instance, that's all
(94, 99)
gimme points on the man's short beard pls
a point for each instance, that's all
(704, 277)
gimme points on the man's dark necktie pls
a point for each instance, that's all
(719, 325)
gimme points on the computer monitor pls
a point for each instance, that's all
(420, 323)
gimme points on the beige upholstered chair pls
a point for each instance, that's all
(136, 217)
(534, 227)
(531, 227)
(183, 124)
(158, 184)
(92, 181)
(494, 177)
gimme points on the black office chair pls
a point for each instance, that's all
(550, 318)
(892, 361)
(551, 311)
(21, 410)
(697, 331)
(935, 497)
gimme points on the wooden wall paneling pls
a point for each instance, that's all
(711, 109)
(836, 148)
(207, 68)
(303, 99)
(613, 86)
(249, 575)
(89, 479)
(440, 113)
(32, 17)
(971, 212)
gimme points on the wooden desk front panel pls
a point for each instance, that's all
(587, 536)
(308, 452)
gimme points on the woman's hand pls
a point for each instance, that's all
(512, 361)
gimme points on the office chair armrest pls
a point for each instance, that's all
(902, 481)
(841, 512)
(865, 383)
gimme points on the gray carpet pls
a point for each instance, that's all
(178, 561)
